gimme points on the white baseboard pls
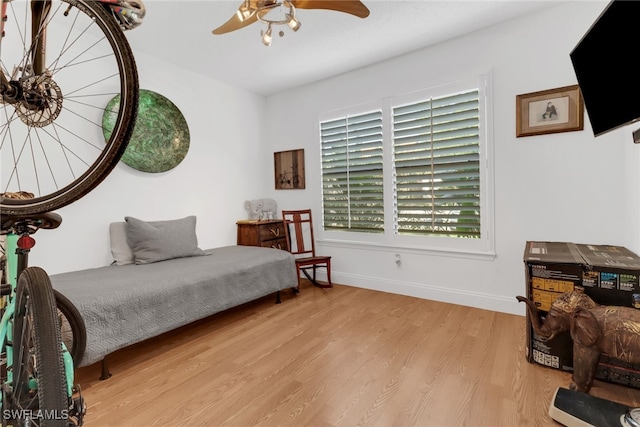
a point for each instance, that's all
(497, 303)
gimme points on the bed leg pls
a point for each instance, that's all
(105, 370)
(278, 300)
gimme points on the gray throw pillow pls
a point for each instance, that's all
(161, 240)
(122, 254)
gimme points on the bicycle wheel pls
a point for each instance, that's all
(72, 328)
(37, 356)
(52, 141)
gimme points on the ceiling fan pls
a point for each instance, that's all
(251, 11)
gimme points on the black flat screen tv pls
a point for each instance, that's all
(605, 63)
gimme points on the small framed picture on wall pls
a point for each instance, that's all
(289, 169)
(549, 111)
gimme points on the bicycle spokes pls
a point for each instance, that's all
(51, 137)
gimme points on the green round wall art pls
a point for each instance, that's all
(160, 138)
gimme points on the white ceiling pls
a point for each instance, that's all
(327, 44)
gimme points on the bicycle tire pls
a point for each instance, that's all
(72, 328)
(78, 175)
(37, 354)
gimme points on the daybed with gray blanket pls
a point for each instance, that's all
(146, 296)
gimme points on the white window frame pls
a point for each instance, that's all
(480, 247)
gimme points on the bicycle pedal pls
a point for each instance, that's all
(78, 406)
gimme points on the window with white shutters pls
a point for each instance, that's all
(352, 172)
(411, 170)
(437, 166)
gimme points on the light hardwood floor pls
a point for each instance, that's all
(333, 357)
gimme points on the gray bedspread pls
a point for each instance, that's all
(123, 305)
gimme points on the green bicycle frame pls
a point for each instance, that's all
(11, 245)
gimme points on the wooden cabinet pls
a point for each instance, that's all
(267, 233)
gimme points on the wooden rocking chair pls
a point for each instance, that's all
(298, 228)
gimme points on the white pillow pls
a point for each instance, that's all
(120, 250)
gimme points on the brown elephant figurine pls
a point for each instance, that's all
(594, 329)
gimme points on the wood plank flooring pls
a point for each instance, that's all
(333, 357)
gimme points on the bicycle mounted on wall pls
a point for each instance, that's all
(61, 62)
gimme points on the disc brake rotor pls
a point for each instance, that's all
(42, 101)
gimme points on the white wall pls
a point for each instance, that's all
(223, 168)
(559, 187)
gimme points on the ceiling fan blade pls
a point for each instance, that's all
(353, 7)
(234, 23)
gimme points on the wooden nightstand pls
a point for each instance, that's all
(266, 233)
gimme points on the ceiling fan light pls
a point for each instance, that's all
(293, 23)
(266, 37)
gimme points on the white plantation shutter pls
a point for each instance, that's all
(412, 170)
(437, 166)
(352, 170)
